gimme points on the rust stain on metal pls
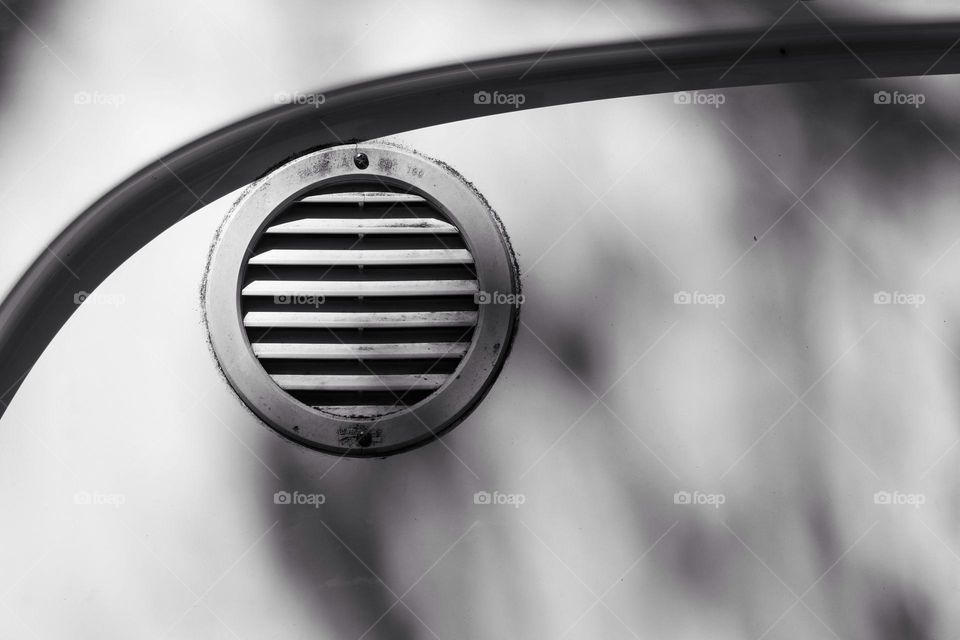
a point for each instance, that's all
(359, 436)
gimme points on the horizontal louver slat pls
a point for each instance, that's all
(320, 320)
(373, 351)
(362, 257)
(359, 383)
(360, 288)
(362, 198)
(401, 226)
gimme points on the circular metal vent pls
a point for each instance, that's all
(361, 299)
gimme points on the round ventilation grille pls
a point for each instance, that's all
(361, 300)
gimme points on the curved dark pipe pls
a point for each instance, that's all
(150, 201)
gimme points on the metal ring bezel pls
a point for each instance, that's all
(332, 168)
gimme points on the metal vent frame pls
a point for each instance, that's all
(399, 169)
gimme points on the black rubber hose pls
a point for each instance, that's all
(128, 217)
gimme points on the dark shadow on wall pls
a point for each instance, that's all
(20, 22)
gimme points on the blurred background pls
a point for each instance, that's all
(731, 407)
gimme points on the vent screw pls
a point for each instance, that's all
(361, 160)
(365, 439)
